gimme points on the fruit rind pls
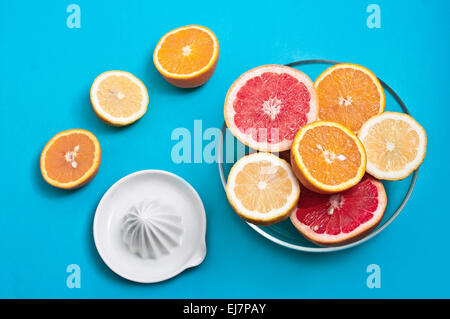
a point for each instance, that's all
(241, 80)
(88, 176)
(412, 166)
(272, 217)
(107, 118)
(358, 233)
(302, 172)
(194, 79)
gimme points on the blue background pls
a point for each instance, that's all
(46, 73)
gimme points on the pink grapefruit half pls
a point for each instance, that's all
(342, 218)
(266, 106)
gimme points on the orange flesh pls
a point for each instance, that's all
(330, 155)
(186, 51)
(349, 97)
(277, 186)
(61, 154)
(391, 145)
(119, 96)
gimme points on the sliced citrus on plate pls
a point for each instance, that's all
(70, 159)
(262, 188)
(327, 157)
(340, 218)
(119, 98)
(395, 144)
(187, 57)
(267, 105)
(349, 94)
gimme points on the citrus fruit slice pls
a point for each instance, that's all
(395, 144)
(349, 94)
(262, 188)
(341, 218)
(70, 159)
(187, 57)
(327, 157)
(119, 98)
(266, 106)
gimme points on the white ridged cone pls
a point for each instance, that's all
(151, 229)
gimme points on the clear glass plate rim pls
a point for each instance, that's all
(319, 249)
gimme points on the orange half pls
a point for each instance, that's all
(187, 56)
(349, 94)
(327, 157)
(70, 159)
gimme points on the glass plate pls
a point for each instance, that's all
(284, 233)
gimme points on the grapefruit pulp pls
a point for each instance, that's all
(341, 218)
(266, 106)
